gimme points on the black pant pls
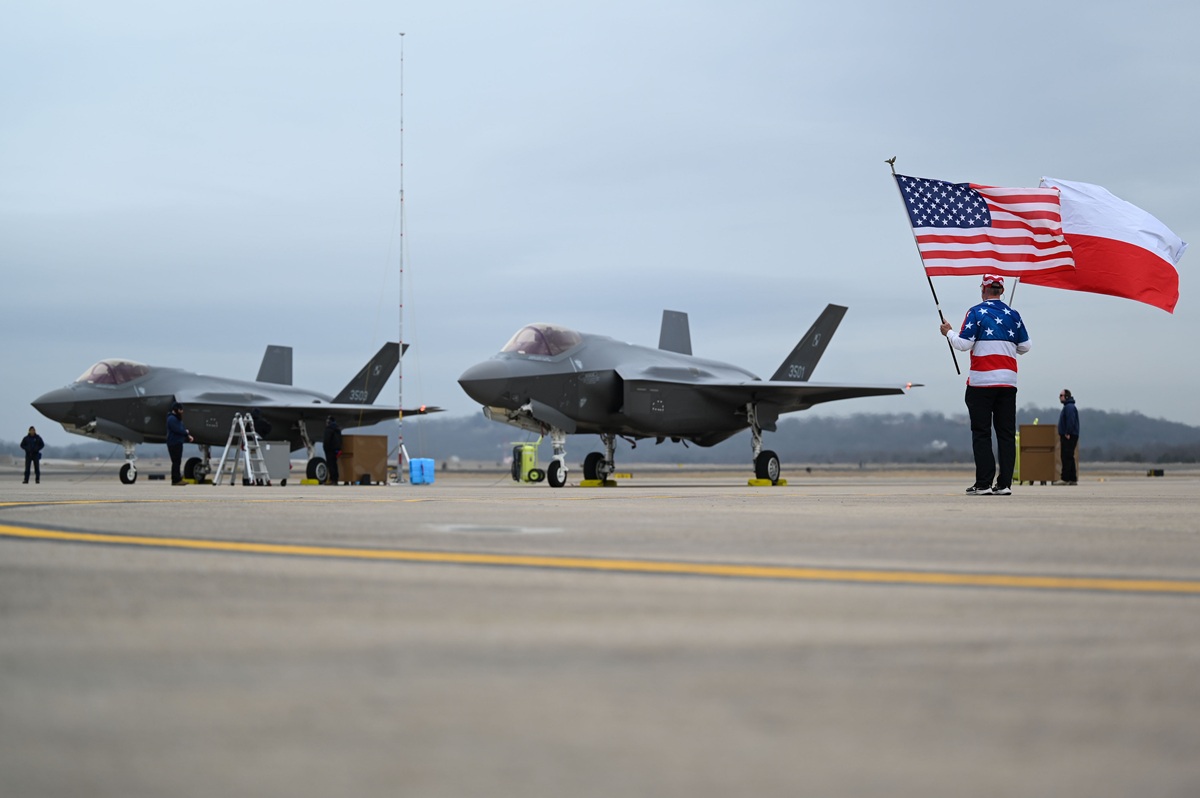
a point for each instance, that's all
(1067, 449)
(176, 452)
(331, 463)
(36, 460)
(988, 408)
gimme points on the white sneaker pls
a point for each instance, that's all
(1001, 491)
(974, 491)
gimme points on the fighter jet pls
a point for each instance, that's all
(553, 380)
(126, 402)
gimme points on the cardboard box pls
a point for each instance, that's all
(364, 459)
(1038, 452)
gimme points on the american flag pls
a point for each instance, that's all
(964, 228)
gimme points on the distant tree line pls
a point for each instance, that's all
(801, 439)
(804, 438)
(84, 450)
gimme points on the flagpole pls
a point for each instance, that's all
(892, 163)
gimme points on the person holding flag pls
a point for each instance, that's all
(1062, 234)
(994, 334)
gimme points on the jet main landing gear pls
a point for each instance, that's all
(766, 462)
(597, 466)
(317, 469)
(198, 468)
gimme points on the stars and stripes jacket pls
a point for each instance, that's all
(994, 334)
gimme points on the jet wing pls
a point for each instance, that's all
(380, 412)
(319, 408)
(344, 410)
(248, 400)
(792, 396)
(346, 413)
(693, 406)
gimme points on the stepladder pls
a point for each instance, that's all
(243, 451)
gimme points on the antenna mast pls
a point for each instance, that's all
(400, 453)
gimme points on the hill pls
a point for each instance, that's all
(869, 438)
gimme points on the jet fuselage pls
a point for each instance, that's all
(137, 409)
(550, 379)
(607, 386)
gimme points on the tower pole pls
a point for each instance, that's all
(400, 364)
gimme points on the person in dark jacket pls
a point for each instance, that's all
(333, 449)
(1068, 437)
(33, 445)
(177, 436)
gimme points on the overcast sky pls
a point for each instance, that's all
(185, 183)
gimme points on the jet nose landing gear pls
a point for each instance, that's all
(556, 473)
(524, 468)
(128, 472)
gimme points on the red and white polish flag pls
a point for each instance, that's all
(1118, 248)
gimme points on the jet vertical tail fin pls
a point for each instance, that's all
(276, 365)
(799, 365)
(675, 336)
(367, 384)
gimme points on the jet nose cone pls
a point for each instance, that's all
(55, 405)
(484, 381)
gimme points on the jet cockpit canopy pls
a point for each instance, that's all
(542, 339)
(113, 372)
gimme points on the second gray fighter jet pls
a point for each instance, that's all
(553, 380)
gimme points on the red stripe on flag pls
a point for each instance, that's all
(1116, 268)
(926, 241)
(1002, 257)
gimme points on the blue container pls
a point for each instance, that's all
(421, 471)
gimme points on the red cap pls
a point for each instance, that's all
(992, 279)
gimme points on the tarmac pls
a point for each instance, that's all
(856, 633)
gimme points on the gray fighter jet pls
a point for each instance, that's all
(553, 380)
(126, 402)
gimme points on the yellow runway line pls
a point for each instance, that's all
(665, 568)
